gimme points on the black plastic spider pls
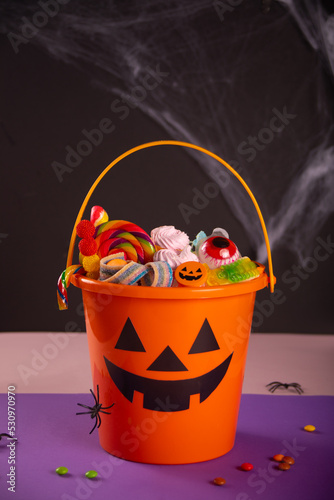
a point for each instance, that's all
(276, 385)
(96, 409)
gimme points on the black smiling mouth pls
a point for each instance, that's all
(176, 392)
(190, 278)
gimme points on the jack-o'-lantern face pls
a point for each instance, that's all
(177, 392)
(191, 274)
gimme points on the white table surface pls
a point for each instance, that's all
(47, 362)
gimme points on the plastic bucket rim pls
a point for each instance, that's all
(177, 293)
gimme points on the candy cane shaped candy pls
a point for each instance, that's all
(63, 284)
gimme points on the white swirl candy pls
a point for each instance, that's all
(187, 255)
(169, 237)
(174, 257)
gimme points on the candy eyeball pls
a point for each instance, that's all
(217, 251)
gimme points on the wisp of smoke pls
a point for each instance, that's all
(224, 74)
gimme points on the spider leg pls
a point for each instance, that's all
(99, 421)
(273, 388)
(106, 407)
(295, 384)
(93, 427)
(83, 412)
(85, 406)
(96, 402)
(272, 383)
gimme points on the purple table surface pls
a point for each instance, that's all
(51, 435)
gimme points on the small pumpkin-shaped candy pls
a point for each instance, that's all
(191, 274)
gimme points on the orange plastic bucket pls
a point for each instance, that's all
(171, 359)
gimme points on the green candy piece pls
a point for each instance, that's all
(239, 270)
(91, 474)
(62, 470)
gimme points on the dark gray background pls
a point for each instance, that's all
(225, 77)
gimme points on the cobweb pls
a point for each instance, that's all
(254, 88)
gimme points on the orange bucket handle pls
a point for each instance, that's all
(272, 278)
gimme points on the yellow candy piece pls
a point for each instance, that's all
(309, 428)
(93, 275)
(214, 279)
(91, 264)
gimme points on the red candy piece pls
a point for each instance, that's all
(98, 215)
(246, 466)
(85, 229)
(88, 246)
(217, 250)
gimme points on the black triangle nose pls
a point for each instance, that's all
(167, 361)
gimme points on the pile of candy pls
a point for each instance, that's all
(121, 252)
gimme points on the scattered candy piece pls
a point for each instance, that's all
(91, 474)
(62, 470)
(278, 458)
(219, 481)
(309, 428)
(288, 460)
(85, 229)
(87, 247)
(283, 466)
(98, 215)
(91, 264)
(246, 466)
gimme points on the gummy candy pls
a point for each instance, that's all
(240, 270)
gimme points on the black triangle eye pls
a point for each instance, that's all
(205, 340)
(128, 339)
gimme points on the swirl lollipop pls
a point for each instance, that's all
(126, 236)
